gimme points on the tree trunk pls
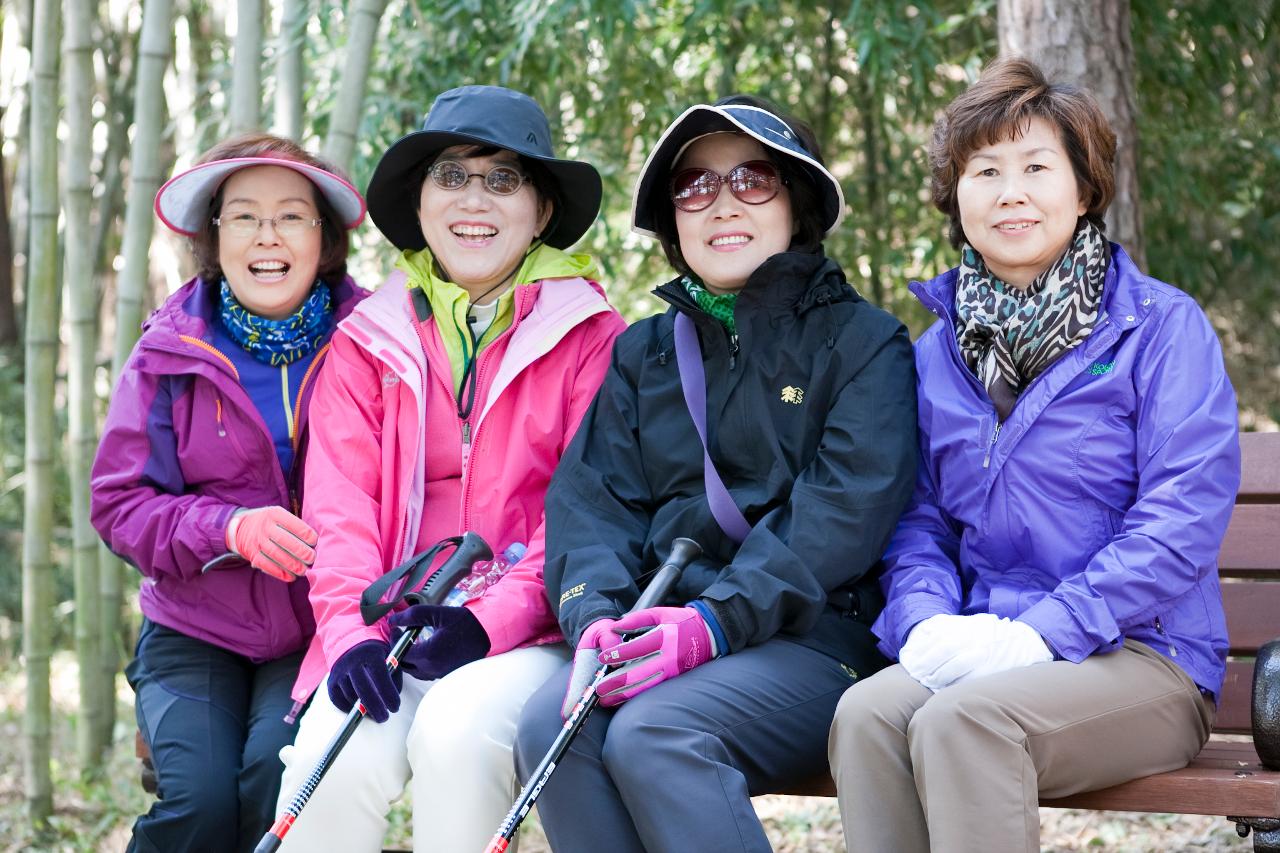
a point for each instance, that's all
(82, 309)
(289, 80)
(41, 366)
(246, 67)
(144, 173)
(341, 142)
(8, 307)
(1088, 42)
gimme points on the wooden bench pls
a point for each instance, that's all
(1227, 777)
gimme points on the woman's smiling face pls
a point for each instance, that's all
(269, 274)
(725, 242)
(479, 237)
(1019, 203)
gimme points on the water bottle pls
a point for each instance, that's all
(484, 575)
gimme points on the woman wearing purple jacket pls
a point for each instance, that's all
(197, 481)
(1052, 590)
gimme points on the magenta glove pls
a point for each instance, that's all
(361, 675)
(457, 638)
(273, 540)
(679, 641)
(598, 637)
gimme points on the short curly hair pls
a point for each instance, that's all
(1006, 97)
(334, 240)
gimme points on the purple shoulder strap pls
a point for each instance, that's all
(693, 382)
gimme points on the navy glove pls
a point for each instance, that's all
(361, 674)
(458, 639)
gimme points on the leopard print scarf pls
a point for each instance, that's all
(1008, 336)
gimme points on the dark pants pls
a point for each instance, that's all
(674, 768)
(214, 722)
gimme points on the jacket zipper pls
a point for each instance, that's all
(1173, 652)
(995, 433)
(733, 350)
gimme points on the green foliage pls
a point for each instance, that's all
(1209, 125)
(612, 75)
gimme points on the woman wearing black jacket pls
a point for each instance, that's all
(810, 424)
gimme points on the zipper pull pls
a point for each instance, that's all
(733, 351)
(986, 460)
(466, 433)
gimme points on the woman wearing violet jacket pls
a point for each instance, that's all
(810, 424)
(1052, 590)
(197, 481)
(445, 406)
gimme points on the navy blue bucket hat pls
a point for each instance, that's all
(702, 119)
(488, 116)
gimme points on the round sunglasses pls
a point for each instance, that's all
(500, 180)
(753, 182)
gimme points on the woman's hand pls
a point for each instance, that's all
(944, 650)
(598, 637)
(274, 541)
(679, 641)
(360, 675)
(457, 639)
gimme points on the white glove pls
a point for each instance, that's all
(957, 648)
(938, 639)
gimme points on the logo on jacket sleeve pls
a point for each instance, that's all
(573, 592)
(792, 394)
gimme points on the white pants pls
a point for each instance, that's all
(453, 737)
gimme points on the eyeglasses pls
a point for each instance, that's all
(753, 182)
(246, 224)
(500, 180)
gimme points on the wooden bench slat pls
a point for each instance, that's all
(1228, 780)
(1253, 612)
(1259, 465)
(1250, 540)
(1235, 714)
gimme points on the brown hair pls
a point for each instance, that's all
(999, 106)
(334, 242)
(806, 198)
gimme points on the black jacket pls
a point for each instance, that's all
(811, 422)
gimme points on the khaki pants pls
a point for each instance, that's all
(963, 769)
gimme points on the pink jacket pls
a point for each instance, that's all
(388, 473)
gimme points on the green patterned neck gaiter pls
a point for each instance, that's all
(720, 307)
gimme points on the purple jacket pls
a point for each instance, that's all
(183, 447)
(1093, 513)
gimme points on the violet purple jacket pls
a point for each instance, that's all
(1096, 510)
(182, 448)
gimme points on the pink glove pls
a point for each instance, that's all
(273, 540)
(598, 637)
(679, 641)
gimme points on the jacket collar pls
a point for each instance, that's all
(190, 311)
(792, 282)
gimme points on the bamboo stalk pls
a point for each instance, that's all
(246, 68)
(340, 145)
(41, 363)
(289, 67)
(81, 309)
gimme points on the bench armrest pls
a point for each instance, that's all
(1266, 705)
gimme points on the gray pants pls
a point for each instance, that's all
(963, 769)
(674, 769)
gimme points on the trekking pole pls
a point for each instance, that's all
(470, 548)
(683, 552)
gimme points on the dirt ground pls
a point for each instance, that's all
(96, 816)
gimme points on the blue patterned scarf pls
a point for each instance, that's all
(277, 342)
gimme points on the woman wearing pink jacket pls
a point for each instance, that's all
(447, 400)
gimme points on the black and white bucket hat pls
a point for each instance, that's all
(489, 116)
(703, 119)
